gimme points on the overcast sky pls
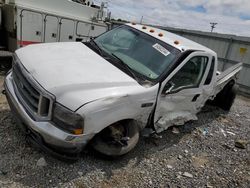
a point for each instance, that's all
(232, 16)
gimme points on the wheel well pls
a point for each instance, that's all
(225, 98)
(116, 140)
(231, 82)
(124, 121)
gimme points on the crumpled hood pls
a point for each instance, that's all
(75, 74)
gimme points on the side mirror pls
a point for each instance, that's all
(169, 87)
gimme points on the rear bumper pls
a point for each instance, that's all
(44, 133)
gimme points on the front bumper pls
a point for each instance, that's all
(44, 133)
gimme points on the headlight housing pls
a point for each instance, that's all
(67, 120)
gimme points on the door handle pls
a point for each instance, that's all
(38, 33)
(53, 35)
(195, 97)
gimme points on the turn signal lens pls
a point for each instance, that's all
(78, 131)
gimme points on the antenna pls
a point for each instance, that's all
(141, 20)
(213, 24)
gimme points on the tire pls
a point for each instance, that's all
(226, 97)
(104, 144)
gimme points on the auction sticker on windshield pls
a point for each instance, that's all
(161, 49)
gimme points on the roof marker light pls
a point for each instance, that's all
(144, 27)
(160, 35)
(133, 23)
(152, 31)
(176, 42)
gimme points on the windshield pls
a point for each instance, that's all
(144, 54)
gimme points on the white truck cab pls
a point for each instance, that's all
(108, 89)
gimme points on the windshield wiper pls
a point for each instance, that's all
(96, 46)
(131, 71)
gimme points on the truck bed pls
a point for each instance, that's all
(224, 77)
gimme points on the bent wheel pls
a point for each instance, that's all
(117, 139)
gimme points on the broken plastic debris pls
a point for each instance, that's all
(229, 132)
(205, 131)
(186, 174)
(169, 166)
(147, 132)
(156, 136)
(175, 130)
(223, 132)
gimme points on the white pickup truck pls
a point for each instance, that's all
(105, 91)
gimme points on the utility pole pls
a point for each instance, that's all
(213, 24)
(141, 20)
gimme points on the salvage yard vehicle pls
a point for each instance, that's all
(29, 22)
(105, 91)
(24, 22)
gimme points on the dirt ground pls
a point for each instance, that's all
(199, 154)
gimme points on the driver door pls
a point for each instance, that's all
(181, 94)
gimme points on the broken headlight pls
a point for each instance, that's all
(67, 120)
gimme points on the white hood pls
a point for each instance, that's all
(74, 73)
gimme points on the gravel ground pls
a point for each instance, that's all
(202, 154)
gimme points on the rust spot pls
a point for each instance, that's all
(176, 42)
(160, 35)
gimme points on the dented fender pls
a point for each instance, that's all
(101, 113)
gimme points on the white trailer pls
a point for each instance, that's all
(30, 22)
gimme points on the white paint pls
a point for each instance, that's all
(65, 8)
(67, 30)
(53, 21)
(170, 38)
(75, 74)
(32, 26)
(51, 31)
(178, 108)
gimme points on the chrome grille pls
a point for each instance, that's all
(32, 97)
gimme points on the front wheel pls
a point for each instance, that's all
(117, 139)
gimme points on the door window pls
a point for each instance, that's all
(191, 74)
(210, 73)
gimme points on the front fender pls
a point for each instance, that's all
(104, 112)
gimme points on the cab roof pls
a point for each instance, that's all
(179, 42)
